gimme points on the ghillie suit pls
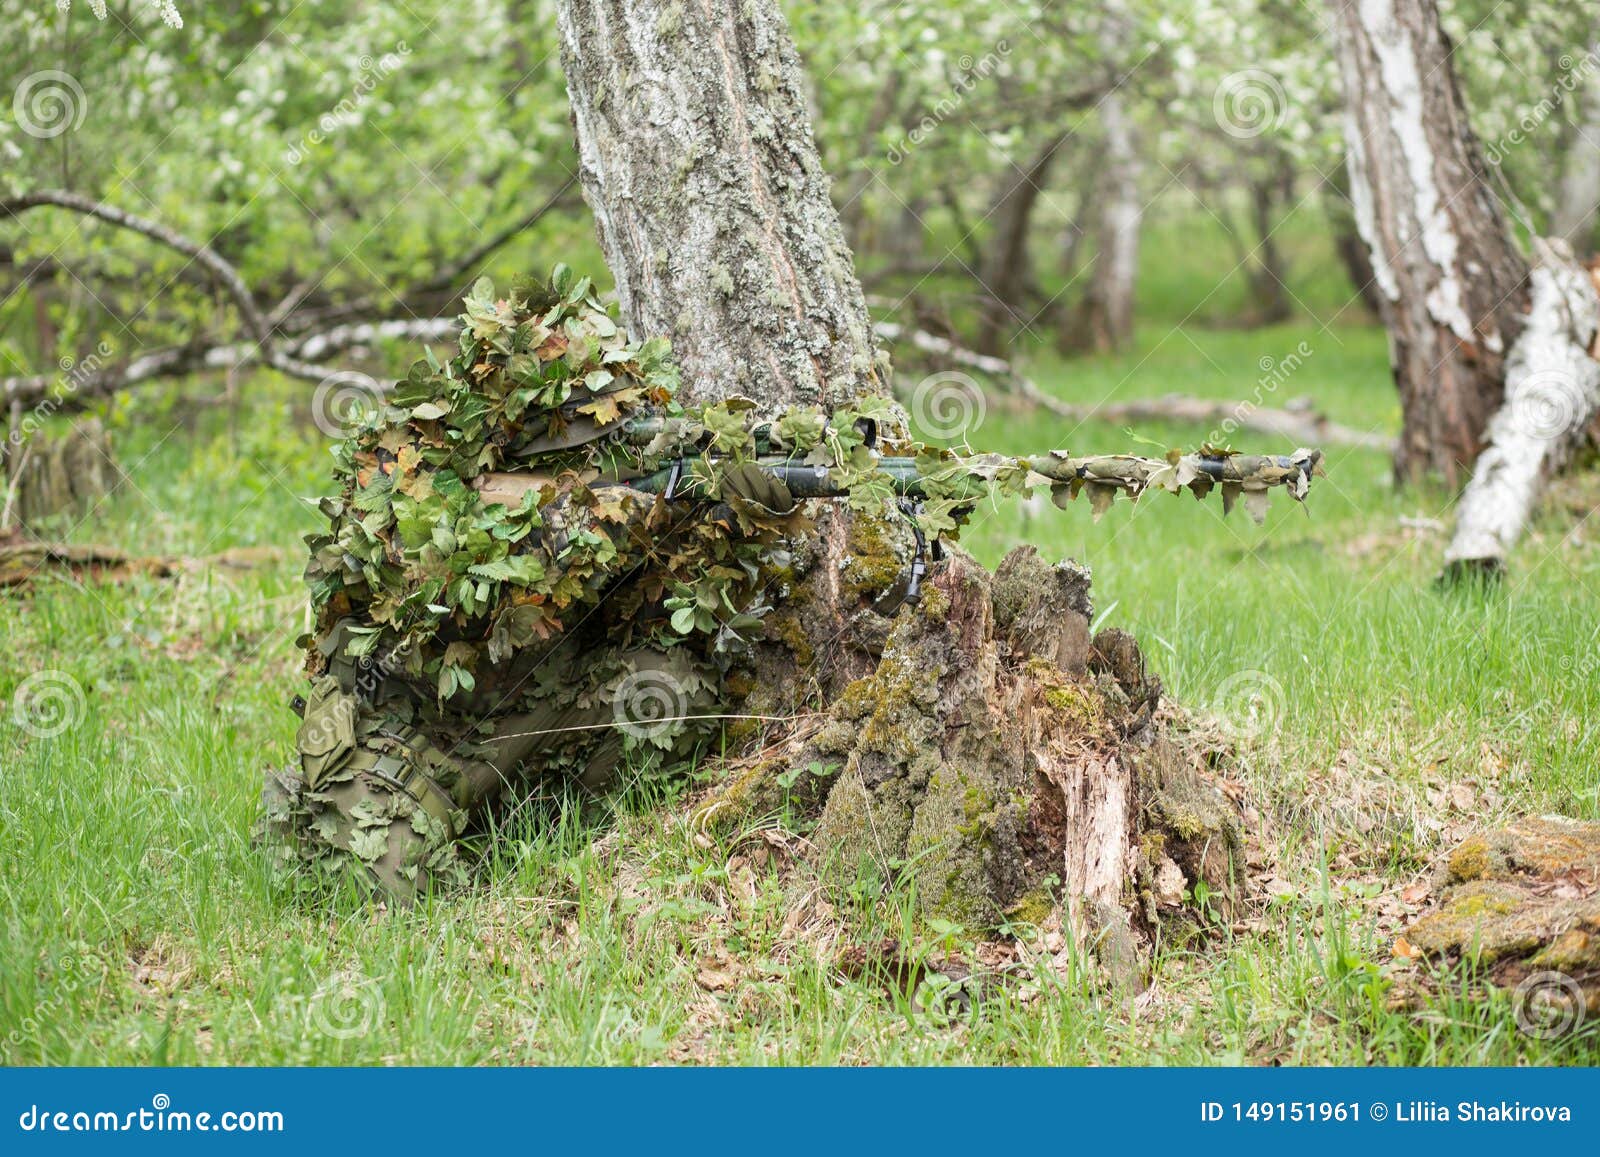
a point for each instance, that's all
(539, 564)
(476, 629)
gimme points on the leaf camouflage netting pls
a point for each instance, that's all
(444, 570)
(534, 538)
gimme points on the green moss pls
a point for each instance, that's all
(1076, 705)
(1472, 860)
(935, 604)
(784, 626)
(1032, 907)
(949, 838)
(872, 563)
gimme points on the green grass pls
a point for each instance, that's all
(139, 927)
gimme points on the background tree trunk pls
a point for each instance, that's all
(1578, 203)
(1106, 314)
(1452, 286)
(1007, 273)
(980, 724)
(1348, 244)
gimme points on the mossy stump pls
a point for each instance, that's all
(1521, 905)
(1008, 765)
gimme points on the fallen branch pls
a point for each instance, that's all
(24, 562)
(1298, 422)
(301, 359)
(203, 255)
(301, 356)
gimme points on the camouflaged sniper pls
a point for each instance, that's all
(539, 564)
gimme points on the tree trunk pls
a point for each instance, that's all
(1269, 272)
(1493, 359)
(1579, 200)
(1106, 315)
(1007, 272)
(977, 735)
(1452, 286)
(1552, 393)
(1348, 245)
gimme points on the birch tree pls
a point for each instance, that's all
(1490, 351)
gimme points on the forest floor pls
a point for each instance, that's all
(1390, 719)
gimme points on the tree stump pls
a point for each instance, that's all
(66, 473)
(981, 743)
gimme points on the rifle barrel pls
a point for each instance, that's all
(1123, 471)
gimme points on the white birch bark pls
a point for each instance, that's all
(1552, 393)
